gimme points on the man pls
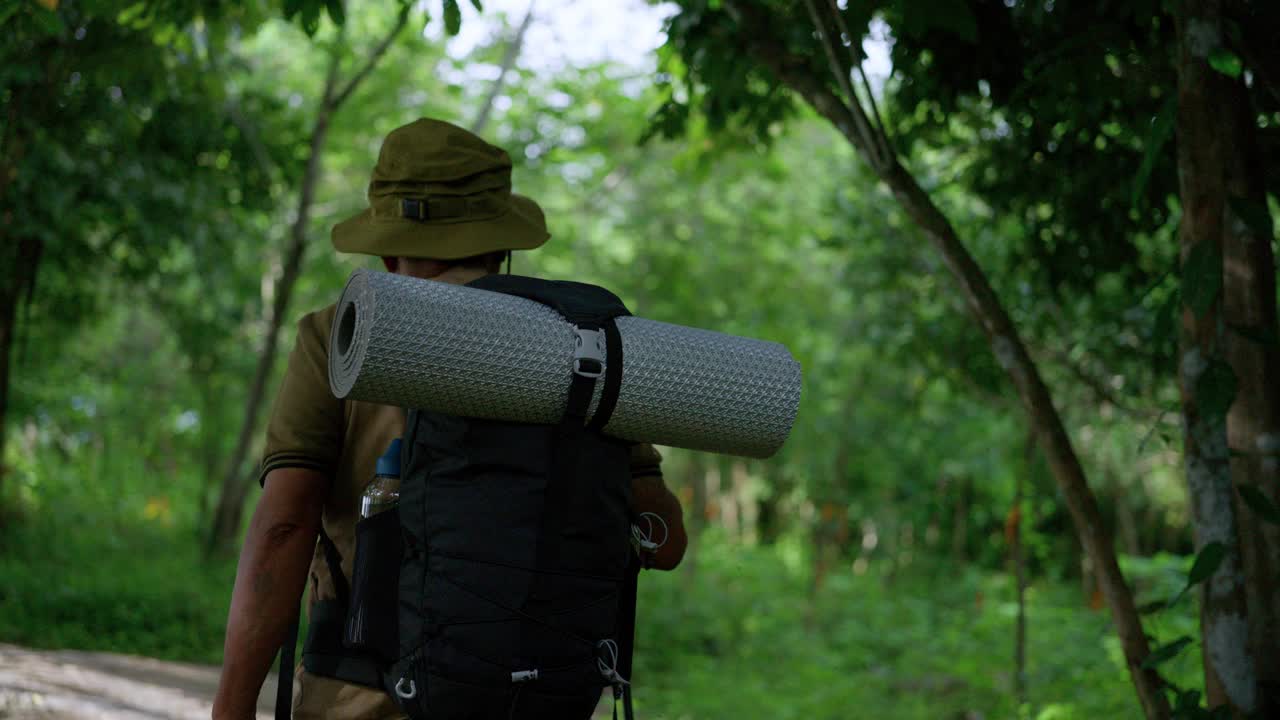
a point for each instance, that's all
(440, 208)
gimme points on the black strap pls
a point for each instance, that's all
(284, 687)
(284, 676)
(612, 377)
(333, 559)
(562, 474)
(627, 630)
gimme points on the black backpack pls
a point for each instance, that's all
(503, 584)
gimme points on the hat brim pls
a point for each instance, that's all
(521, 227)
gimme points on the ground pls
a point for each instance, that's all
(69, 684)
(76, 685)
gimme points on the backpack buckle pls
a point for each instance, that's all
(524, 676)
(589, 353)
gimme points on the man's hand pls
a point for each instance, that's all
(650, 494)
(269, 580)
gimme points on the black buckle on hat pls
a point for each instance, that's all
(414, 209)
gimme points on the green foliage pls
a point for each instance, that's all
(1226, 62)
(83, 570)
(1207, 562)
(1259, 503)
(738, 638)
(1165, 653)
(744, 213)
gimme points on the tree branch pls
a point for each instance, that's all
(862, 127)
(855, 62)
(508, 62)
(335, 101)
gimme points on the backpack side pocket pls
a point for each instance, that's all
(372, 623)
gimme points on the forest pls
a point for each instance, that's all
(1024, 251)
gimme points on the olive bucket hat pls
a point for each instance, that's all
(440, 192)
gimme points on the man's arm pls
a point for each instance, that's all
(269, 580)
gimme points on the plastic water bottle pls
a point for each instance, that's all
(383, 492)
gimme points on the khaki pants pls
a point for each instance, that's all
(322, 698)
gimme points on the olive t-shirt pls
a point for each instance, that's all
(310, 428)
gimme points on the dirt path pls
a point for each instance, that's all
(78, 685)
(70, 684)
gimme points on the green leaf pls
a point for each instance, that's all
(1188, 700)
(1226, 62)
(1216, 390)
(479, 6)
(1202, 277)
(1165, 653)
(1164, 331)
(1152, 608)
(452, 17)
(1207, 562)
(1259, 503)
(1254, 214)
(337, 11)
(1158, 135)
(48, 20)
(9, 11)
(310, 16)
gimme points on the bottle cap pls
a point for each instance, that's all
(389, 463)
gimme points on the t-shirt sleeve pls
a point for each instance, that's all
(306, 425)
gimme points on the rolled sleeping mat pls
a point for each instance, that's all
(469, 352)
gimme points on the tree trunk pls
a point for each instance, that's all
(1014, 528)
(237, 480)
(989, 313)
(17, 287)
(508, 63)
(1216, 170)
(1253, 351)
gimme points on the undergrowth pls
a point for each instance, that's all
(737, 633)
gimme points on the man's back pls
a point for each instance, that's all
(440, 208)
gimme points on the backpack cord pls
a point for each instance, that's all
(643, 537)
(609, 667)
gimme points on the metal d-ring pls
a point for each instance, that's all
(411, 693)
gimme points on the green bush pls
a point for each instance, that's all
(737, 632)
(743, 636)
(95, 584)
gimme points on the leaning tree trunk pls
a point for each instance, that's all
(1229, 306)
(509, 56)
(236, 482)
(760, 40)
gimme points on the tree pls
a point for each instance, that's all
(1082, 93)
(1229, 336)
(711, 44)
(229, 510)
(86, 120)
